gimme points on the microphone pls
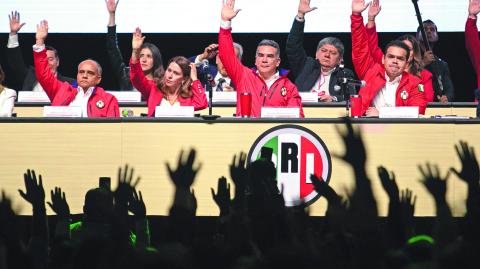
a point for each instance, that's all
(203, 64)
(351, 81)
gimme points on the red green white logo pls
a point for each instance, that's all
(297, 153)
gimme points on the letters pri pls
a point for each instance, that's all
(297, 153)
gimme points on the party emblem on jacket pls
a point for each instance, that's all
(296, 152)
(100, 104)
(283, 91)
(404, 95)
(420, 88)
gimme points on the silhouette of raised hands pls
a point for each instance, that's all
(59, 203)
(34, 192)
(433, 181)
(323, 189)
(470, 172)
(125, 187)
(389, 183)
(184, 175)
(238, 172)
(355, 153)
(222, 197)
(137, 206)
(407, 206)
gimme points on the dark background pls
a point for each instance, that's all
(74, 48)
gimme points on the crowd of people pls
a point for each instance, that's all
(254, 228)
(405, 73)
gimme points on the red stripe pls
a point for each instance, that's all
(308, 148)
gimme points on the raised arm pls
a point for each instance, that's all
(14, 55)
(472, 42)
(361, 57)
(234, 67)
(294, 49)
(371, 28)
(43, 73)
(199, 97)
(137, 77)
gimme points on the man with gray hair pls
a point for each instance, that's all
(93, 100)
(267, 85)
(321, 74)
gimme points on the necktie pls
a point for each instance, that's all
(220, 85)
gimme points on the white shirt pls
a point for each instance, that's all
(272, 79)
(386, 97)
(81, 100)
(7, 100)
(166, 103)
(322, 84)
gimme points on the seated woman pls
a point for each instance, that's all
(415, 64)
(178, 85)
(7, 97)
(150, 56)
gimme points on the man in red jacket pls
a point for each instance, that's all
(387, 84)
(268, 86)
(93, 100)
(472, 42)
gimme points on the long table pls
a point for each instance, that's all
(73, 153)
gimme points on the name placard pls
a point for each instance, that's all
(309, 97)
(219, 97)
(62, 111)
(408, 112)
(32, 97)
(174, 111)
(280, 112)
(127, 97)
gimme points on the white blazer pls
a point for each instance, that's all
(7, 100)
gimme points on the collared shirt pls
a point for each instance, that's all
(387, 95)
(81, 100)
(272, 79)
(322, 84)
(226, 80)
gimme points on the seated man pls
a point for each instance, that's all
(387, 84)
(472, 42)
(321, 74)
(220, 79)
(442, 83)
(25, 76)
(93, 100)
(268, 88)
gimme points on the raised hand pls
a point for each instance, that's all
(209, 52)
(59, 203)
(222, 197)
(374, 9)
(15, 24)
(388, 183)
(184, 175)
(358, 6)
(470, 172)
(433, 181)
(473, 8)
(238, 172)
(354, 148)
(304, 8)
(125, 187)
(137, 206)
(42, 32)
(228, 10)
(322, 188)
(137, 39)
(111, 6)
(407, 203)
(34, 192)
(193, 72)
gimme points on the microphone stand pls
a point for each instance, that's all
(343, 88)
(208, 85)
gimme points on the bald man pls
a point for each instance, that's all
(93, 100)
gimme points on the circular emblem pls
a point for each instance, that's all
(100, 104)
(297, 153)
(283, 91)
(404, 95)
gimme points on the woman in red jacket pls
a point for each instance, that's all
(178, 85)
(415, 64)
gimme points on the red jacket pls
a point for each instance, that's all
(472, 42)
(100, 104)
(377, 54)
(374, 73)
(283, 93)
(154, 96)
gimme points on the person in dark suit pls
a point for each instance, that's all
(214, 75)
(24, 76)
(321, 74)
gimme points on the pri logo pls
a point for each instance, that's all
(297, 153)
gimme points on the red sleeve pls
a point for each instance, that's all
(375, 50)
(235, 69)
(199, 98)
(45, 77)
(295, 100)
(113, 109)
(472, 42)
(139, 81)
(427, 85)
(361, 57)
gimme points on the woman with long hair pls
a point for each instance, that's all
(7, 97)
(177, 85)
